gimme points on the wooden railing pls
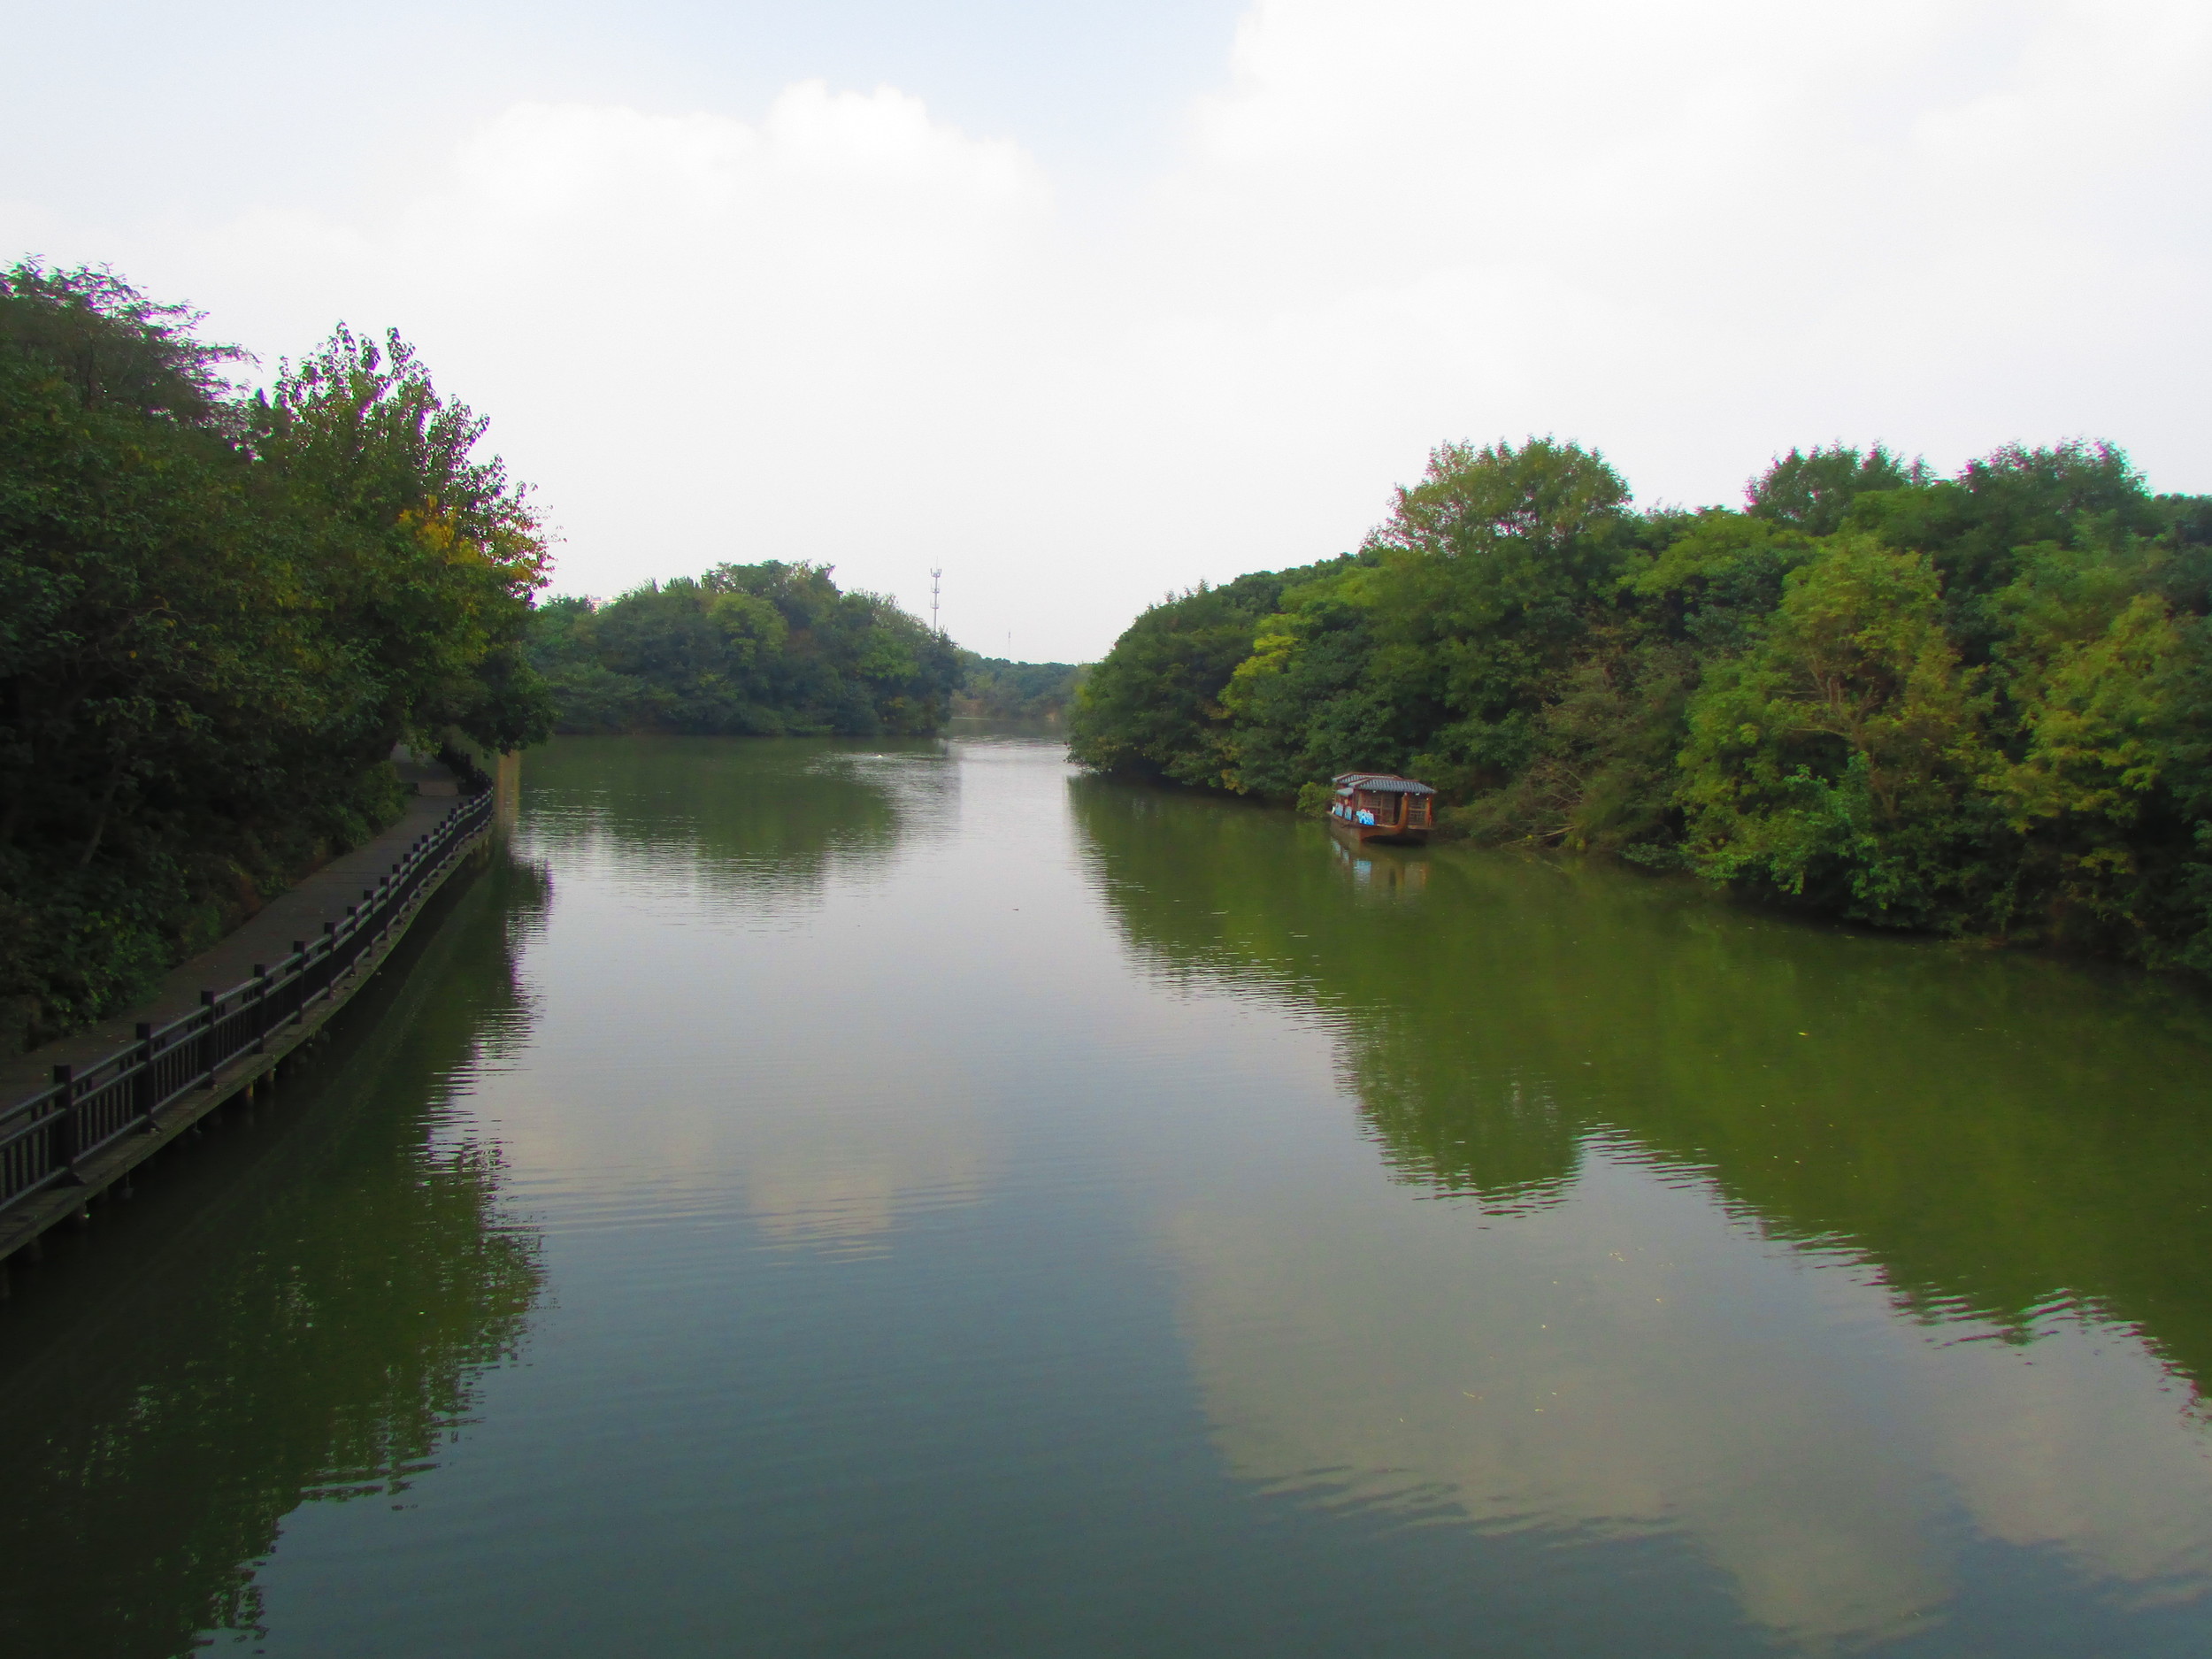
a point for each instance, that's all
(46, 1141)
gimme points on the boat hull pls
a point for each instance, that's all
(1387, 834)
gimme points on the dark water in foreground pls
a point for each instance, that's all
(822, 1198)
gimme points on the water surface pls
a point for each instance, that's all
(906, 1199)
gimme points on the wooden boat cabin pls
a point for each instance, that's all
(1380, 806)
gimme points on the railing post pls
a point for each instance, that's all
(145, 1087)
(206, 1053)
(68, 1138)
(260, 1006)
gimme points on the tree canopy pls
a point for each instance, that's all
(998, 689)
(745, 649)
(1978, 705)
(221, 614)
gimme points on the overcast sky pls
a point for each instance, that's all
(1084, 303)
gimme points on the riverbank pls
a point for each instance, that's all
(299, 912)
(1970, 707)
(205, 1063)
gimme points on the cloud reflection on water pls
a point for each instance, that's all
(1833, 1257)
(1629, 1359)
(746, 867)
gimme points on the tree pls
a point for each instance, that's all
(995, 687)
(2016, 497)
(1833, 760)
(426, 558)
(1812, 491)
(1153, 707)
(215, 618)
(745, 650)
(114, 348)
(1489, 568)
(1974, 705)
(1301, 702)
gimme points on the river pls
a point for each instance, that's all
(906, 1198)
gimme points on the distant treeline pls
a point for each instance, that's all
(744, 651)
(1979, 706)
(998, 690)
(217, 615)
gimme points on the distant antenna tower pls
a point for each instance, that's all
(934, 577)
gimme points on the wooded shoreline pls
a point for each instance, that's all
(1978, 707)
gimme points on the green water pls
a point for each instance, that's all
(906, 1199)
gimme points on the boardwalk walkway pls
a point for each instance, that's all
(265, 936)
(326, 896)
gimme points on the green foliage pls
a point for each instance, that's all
(220, 617)
(1972, 526)
(1602, 776)
(2106, 777)
(1812, 490)
(1153, 707)
(1714, 578)
(1429, 647)
(426, 559)
(745, 650)
(1979, 705)
(1834, 758)
(1489, 569)
(1304, 693)
(994, 688)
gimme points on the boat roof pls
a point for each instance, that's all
(1382, 783)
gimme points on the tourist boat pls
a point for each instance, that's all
(1380, 806)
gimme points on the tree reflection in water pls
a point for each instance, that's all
(2001, 1136)
(753, 823)
(293, 1311)
(720, 851)
(1664, 1112)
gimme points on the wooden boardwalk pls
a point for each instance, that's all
(77, 1117)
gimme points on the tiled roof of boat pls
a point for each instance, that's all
(1383, 783)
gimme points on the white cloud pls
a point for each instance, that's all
(1689, 233)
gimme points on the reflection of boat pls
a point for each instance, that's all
(1380, 806)
(1381, 873)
